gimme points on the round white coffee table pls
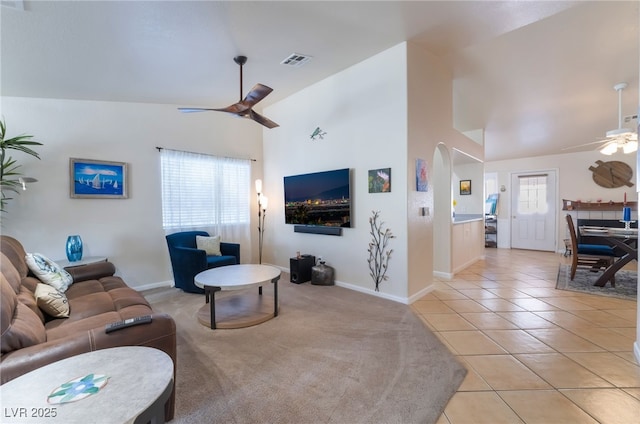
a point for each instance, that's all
(140, 380)
(239, 310)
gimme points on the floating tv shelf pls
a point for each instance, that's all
(573, 205)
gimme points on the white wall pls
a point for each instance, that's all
(127, 231)
(430, 127)
(473, 203)
(363, 111)
(574, 182)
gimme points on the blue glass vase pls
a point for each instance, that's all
(74, 248)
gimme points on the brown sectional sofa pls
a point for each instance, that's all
(31, 339)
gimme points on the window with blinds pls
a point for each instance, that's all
(202, 191)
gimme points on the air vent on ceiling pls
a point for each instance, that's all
(296, 60)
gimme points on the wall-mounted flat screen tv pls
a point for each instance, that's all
(320, 198)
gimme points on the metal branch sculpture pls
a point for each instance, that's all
(379, 255)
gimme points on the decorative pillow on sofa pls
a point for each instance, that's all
(52, 301)
(48, 271)
(211, 245)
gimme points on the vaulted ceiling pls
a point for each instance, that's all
(536, 76)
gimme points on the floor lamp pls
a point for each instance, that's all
(262, 212)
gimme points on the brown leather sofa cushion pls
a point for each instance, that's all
(20, 326)
(15, 253)
(95, 303)
(12, 277)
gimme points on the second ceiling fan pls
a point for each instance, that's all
(244, 107)
(625, 139)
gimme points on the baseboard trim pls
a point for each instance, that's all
(443, 275)
(421, 293)
(466, 265)
(168, 283)
(360, 289)
(636, 350)
(353, 287)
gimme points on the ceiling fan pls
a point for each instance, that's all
(244, 107)
(620, 138)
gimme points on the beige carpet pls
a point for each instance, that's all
(332, 355)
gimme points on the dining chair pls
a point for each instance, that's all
(593, 256)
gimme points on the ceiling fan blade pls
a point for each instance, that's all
(261, 119)
(243, 107)
(257, 93)
(192, 109)
(236, 108)
(586, 144)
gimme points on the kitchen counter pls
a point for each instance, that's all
(469, 217)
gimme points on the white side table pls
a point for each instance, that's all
(140, 382)
(84, 261)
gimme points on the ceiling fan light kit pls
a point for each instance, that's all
(609, 149)
(244, 107)
(630, 147)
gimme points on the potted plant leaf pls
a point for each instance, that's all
(10, 180)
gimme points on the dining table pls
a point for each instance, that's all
(624, 238)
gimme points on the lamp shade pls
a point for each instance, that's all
(264, 201)
(259, 186)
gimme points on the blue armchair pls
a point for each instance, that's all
(187, 260)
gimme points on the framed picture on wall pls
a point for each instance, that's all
(380, 180)
(421, 175)
(97, 179)
(465, 187)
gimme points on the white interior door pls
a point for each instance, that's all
(533, 211)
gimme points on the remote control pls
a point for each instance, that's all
(113, 326)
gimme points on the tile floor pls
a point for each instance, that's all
(534, 354)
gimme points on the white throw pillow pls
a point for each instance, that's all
(48, 271)
(211, 245)
(52, 301)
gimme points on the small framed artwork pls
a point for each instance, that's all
(421, 175)
(380, 180)
(465, 187)
(97, 179)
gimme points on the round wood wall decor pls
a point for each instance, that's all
(612, 174)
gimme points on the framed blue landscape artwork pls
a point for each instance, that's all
(97, 179)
